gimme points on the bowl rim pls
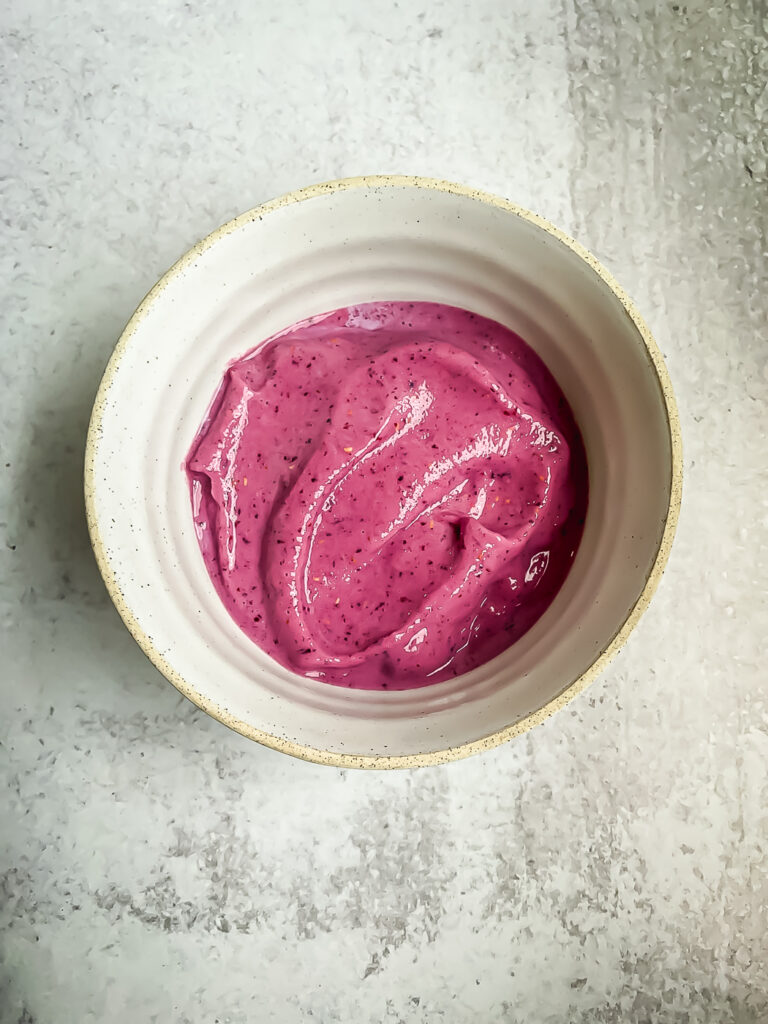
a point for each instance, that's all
(385, 761)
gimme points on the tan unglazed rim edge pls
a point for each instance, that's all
(437, 757)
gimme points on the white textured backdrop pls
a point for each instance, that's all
(611, 866)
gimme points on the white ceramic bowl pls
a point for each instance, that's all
(338, 244)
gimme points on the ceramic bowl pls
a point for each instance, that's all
(339, 244)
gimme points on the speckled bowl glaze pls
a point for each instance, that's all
(338, 244)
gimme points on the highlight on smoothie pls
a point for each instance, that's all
(388, 495)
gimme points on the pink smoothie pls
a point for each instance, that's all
(388, 495)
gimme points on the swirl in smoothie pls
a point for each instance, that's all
(388, 495)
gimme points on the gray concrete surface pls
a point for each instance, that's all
(611, 866)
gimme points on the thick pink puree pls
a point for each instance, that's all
(388, 495)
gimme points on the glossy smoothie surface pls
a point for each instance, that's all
(388, 495)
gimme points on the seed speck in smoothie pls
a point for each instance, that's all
(388, 495)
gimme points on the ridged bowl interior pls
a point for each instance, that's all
(346, 243)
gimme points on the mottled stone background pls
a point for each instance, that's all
(611, 866)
